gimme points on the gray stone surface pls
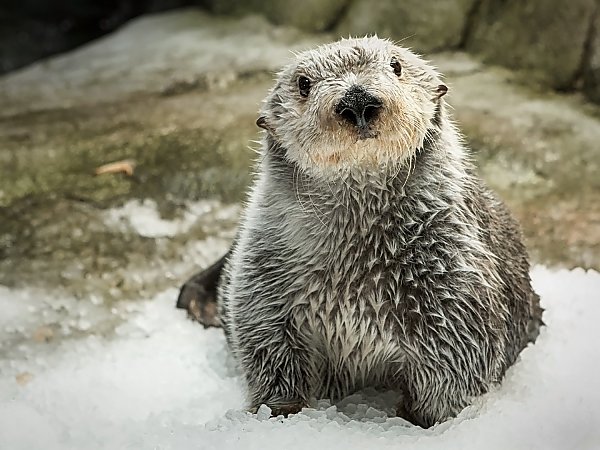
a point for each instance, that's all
(544, 38)
(591, 75)
(424, 26)
(164, 54)
(310, 15)
(178, 93)
(540, 151)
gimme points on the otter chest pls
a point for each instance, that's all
(346, 311)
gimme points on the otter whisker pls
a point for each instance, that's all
(314, 208)
(296, 182)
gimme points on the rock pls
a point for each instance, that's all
(591, 74)
(424, 26)
(126, 97)
(178, 93)
(310, 15)
(157, 53)
(544, 38)
(121, 98)
(36, 29)
(539, 151)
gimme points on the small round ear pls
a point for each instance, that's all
(261, 122)
(441, 90)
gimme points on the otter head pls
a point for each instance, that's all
(357, 103)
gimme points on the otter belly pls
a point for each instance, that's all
(357, 345)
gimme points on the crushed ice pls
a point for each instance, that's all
(159, 380)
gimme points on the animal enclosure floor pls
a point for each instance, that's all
(151, 379)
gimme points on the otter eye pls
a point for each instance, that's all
(303, 86)
(396, 66)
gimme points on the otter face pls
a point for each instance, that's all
(356, 103)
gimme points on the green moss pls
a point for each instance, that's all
(185, 163)
(52, 203)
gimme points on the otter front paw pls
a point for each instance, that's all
(282, 409)
(403, 412)
(287, 409)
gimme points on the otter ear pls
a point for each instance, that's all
(261, 122)
(441, 90)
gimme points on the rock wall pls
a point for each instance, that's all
(427, 26)
(309, 15)
(35, 29)
(591, 71)
(547, 40)
(176, 95)
(551, 43)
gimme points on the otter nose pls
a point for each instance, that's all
(358, 107)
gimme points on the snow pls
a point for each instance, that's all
(156, 380)
(143, 216)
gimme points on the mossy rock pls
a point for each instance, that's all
(544, 38)
(591, 74)
(310, 15)
(424, 26)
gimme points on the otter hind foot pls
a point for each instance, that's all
(198, 295)
(286, 410)
(403, 412)
(200, 305)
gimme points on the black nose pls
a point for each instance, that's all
(358, 107)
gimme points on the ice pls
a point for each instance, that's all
(263, 413)
(144, 218)
(160, 381)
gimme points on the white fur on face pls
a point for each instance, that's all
(322, 142)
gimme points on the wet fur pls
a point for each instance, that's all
(400, 270)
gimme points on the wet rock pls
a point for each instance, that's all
(111, 101)
(153, 54)
(35, 29)
(425, 26)
(122, 98)
(544, 38)
(178, 93)
(539, 151)
(591, 80)
(310, 15)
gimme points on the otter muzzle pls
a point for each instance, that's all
(359, 108)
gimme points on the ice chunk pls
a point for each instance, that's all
(263, 413)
